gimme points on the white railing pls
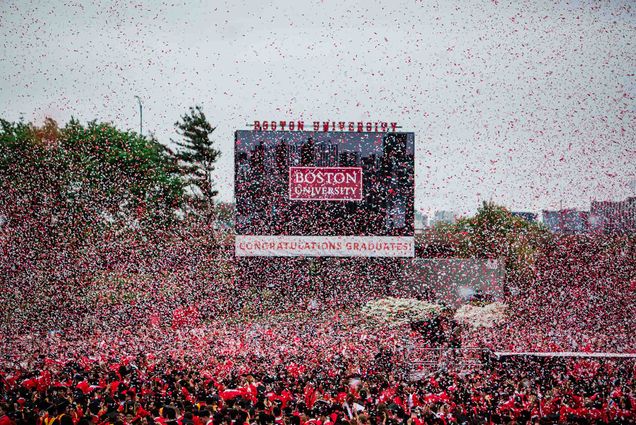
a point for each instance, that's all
(581, 354)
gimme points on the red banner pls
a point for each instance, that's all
(325, 183)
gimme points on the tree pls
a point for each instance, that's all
(495, 233)
(79, 178)
(61, 191)
(197, 155)
(122, 176)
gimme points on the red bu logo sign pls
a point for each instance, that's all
(325, 183)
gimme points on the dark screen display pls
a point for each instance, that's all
(266, 162)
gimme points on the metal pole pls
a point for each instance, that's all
(141, 128)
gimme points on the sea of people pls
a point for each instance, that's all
(145, 332)
(150, 388)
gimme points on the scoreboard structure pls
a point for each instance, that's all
(324, 193)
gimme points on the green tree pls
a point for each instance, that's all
(33, 174)
(74, 181)
(197, 155)
(495, 233)
(225, 214)
(122, 176)
(61, 189)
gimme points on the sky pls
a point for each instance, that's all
(529, 104)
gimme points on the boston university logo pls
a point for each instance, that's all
(325, 183)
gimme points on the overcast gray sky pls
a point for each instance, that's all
(528, 103)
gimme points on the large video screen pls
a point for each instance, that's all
(324, 193)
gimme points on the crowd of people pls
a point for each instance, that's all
(146, 389)
(164, 332)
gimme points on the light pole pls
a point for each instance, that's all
(141, 128)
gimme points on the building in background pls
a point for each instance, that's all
(448, 217)
(527, 216)
(613, 217)
(567, 221)
(421, 221)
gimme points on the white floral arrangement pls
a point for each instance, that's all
(400, 311)
(481, 317)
